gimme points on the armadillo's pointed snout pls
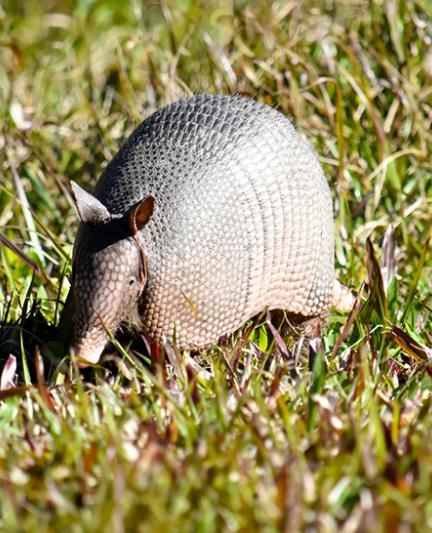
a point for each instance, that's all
(88, 354)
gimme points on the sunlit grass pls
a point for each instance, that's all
(234, 439)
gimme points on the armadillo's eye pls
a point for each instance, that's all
(131, 282)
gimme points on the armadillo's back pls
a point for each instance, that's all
(243, 217)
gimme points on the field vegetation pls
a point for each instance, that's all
(243, 438)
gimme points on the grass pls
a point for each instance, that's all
(233, 440)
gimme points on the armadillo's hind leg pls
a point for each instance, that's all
(301, 334)
(309, 341)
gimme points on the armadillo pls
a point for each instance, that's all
(213, 210)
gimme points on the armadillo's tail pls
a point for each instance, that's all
(343, 300)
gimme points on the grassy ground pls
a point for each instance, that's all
(235, 440)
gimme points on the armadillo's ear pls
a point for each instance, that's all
(89, 208)
(139, 214)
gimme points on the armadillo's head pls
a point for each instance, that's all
(109, 270)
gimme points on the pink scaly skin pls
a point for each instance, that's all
(243, 223)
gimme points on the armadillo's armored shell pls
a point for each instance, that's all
(243, 216)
